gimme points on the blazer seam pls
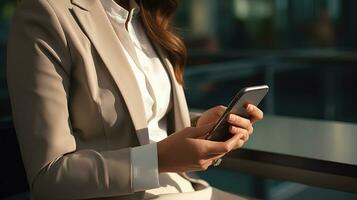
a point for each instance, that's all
(65, 38)
(32, 181)
(99, 102)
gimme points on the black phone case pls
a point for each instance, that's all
(221, 131)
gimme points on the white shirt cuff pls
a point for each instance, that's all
(144, 167)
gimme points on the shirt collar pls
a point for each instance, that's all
(121, 14)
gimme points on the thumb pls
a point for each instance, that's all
(198, 132)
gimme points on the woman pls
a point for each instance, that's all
(96, 88)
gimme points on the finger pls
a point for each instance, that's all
(243, 134)
(251, 130)
(217, 157)
(200, 131)
(245, 137)
(204, 164)
(214, 156)
(213, 159)
(233, 142)
(214, 147)
(240, 144)
(217, 149)
(255, 113)
(238, 130)
(239, 121)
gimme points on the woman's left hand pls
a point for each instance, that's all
(239, 125)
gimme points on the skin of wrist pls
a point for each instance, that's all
(161, 157)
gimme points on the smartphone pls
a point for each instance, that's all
(249, 95)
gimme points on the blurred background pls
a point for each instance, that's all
(305, 50)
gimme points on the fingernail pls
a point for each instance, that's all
(231, 129)
(250, 108)
(231, 118)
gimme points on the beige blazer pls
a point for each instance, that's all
(76, 104)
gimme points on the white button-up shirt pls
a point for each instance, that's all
(154, 84)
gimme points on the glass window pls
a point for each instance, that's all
(305, 50)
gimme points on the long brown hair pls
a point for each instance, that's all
(156, 16)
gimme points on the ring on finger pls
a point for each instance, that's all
(217, 162)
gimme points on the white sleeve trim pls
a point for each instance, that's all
(144, 167)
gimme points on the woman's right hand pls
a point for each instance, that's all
(187, 150)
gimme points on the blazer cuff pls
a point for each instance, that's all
(144, 163)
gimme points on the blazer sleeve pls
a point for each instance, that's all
(38, 75)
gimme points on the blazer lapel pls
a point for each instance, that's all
(93, 20)
(181, 113)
